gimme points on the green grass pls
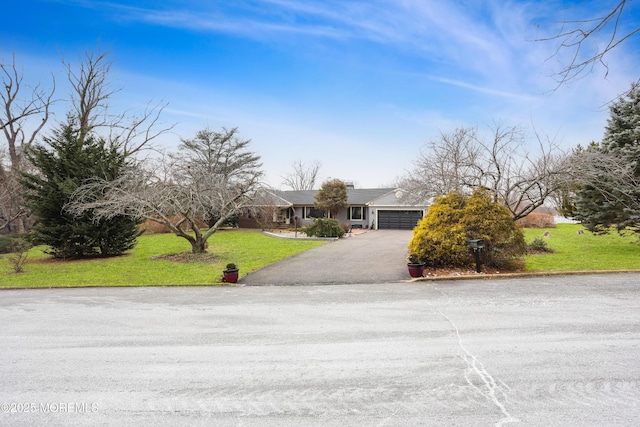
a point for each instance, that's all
(249, 249)
(583, 252)
(252, 250)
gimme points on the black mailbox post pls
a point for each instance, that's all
(477, 245)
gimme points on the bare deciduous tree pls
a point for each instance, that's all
(606, 33)
(443, 166)
(303, 176)
(462, 161)
(25, 111)
(263, 209)
(90, 96)
(212, 178)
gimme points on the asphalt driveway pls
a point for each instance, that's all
(372, 257)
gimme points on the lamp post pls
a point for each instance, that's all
(295, 221)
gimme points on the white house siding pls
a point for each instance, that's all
(391, 202)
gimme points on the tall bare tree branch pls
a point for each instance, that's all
(302, 176)
(461, 161)
(90, 96)
(25, 112)
(90, 92)
(605, 33)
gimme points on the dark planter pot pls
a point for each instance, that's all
(230, 276)
(416, 270)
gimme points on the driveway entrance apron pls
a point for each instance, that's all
(373, 257)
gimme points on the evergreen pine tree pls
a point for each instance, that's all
(611, 197)
(62, 167)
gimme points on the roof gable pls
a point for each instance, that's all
(298, 198)
(364, 196)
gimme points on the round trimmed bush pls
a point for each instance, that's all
(440, 238)
(324, 227)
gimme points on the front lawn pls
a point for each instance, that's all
(149, 265)
(575, 251)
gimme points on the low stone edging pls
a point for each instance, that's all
(484, 276)
(288, 237)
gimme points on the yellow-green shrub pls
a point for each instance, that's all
(491, 221)
(440, 238)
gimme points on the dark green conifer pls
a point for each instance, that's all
(610, 196)
(62, 165)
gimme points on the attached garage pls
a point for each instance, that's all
(398, 219)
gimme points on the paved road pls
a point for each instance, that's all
(560, 351)
(372, 257)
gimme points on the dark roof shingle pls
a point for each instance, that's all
(355, 196)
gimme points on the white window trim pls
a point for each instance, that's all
(362, 213)
(305, 212)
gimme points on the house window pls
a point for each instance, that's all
(357, 213)
(309, 212)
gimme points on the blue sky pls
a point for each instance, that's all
(360, 86)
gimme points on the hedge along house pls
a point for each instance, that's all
(376, 208)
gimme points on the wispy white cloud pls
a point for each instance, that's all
(487, 48)
(443, 33)
(486, 90)
(489, 41)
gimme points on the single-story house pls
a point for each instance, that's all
(376, 208)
